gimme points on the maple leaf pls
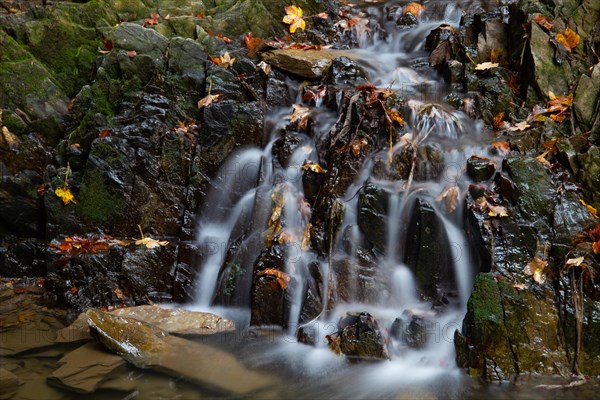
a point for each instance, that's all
(590, 209)
(543, 21)
(314, 167)
(414, 8)
(536, 268)
(485, 66)
(281, 277)
(568, 38)
(497, 211)
(293, 18)
(148, 241)
(104, 133)
(574, 262)
(65, 195)
(226, 60)
(300, 114)
(265, 68)
(503, 147)
(451, 196)
(252, 42)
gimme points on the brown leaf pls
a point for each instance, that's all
(132, 53)
(300, 114)
(104, 133)
(119, 293)
(208, 100)
(497, 122)
(358, 146)
(485, 66)
(451, 196)
(281, 277)
(503, 147)
(520, 126)
(543, 21)
(153, 20)
(251, 42)
(151, 243)
(536, 268)
(497, 211)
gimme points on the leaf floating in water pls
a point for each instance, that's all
(281, 277)
(451, 196)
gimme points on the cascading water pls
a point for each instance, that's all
(244, 203)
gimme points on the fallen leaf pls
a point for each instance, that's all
(104, 133)
(119, 293)
(536, 268)
(503, 147)
(300, 114)
(153, 20)
(65, 195)
(266, 68)
(542, 159)
(226, 60)
(596, 247)
(495, 54)
(519, 286)
(414, 8)
(521, 126)
(590, 209)
(293, 18)
(498, 121)
(543, 21)
(167, 17)
(252, 42)
(73, 290)
(575, 262)
(314, 167)
(306, 237)
(451, 196)
(323, 15)
(568, 38)
(316, 94)
(208, 100)
(358, 146)
(485, 66)
(281, 277)
(394, 116)
(132, 53)
(150, 242)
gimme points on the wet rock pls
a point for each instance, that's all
(535, 193)
(134, 37)
(506, 334)
(313, 300)
(480, 169)
(587, 98)
(413, 328)
(23, 257)
(443, 44)
(310, 64)
(493, 38)
(372, 214)
(428, 252)
(148, 273)
(84, 369)
(344, 71)
(549, 76)
(360, 280)
(407, 20)
(146, 346)
(8, 382)
(269, 305)
(360, 338)
(589, 172)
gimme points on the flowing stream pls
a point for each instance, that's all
(242, 198)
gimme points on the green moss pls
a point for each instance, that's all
(485, 304)
(96, 202)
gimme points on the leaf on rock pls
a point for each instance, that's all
(568, 38)
(314, 167)
(536, 268)
(414, 8)
(265, 68)
(65, 195)
(543, 21)
(542, 159)
(281, 277)
(153, 20)
(590, 209)
(503, 147)
(498, 121)
(358, 146)
(119, 293)
(574, 262)
(485, 66)
(520, 126)
(322, 15)
(451, 196)
(300, 114)
(150, 242)
(497, 211)
(252, 42)
(132, 53)
(293, 18)
(208, 100)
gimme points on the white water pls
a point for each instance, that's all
(431, 122)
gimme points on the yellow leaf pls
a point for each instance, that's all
(151, 243)
(536, 268)
(590, 209)
(497, 211)
(575, 262)
(314, 167)
(568, 38)
(414, 8)
(208, 100)
(65, 195)
(226, 60)
(485, 66)
(358, 145)
(294, 18)
(495, 55)
(306, 237)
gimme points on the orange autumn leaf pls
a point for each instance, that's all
(281, 277)
(358, 146)
(497, 122)
(590, 209)
(544, 22)
(251, 41)
(568, 38)
(503, 147)
(104, 133)
(119, 293)
(314, 167)
(293, 18)
(414, 8)
(300, 114)
(73, 290)
(153, 20)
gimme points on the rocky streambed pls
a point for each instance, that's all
(407, 182)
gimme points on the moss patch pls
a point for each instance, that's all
(97, 203)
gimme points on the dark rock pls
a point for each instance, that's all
(360, 337)
(549, 76)
(428, 252)
(360, 280)
(372, 214)
(480, 169)
(310, 64)
(589, 172)
(21, 208)
(344, 71)
(23, 257)
(407, 20)
(269, 305)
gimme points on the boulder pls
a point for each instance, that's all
(310, 64)
(549, 76)
(360, 338)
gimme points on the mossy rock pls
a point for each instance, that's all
(97, 203)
